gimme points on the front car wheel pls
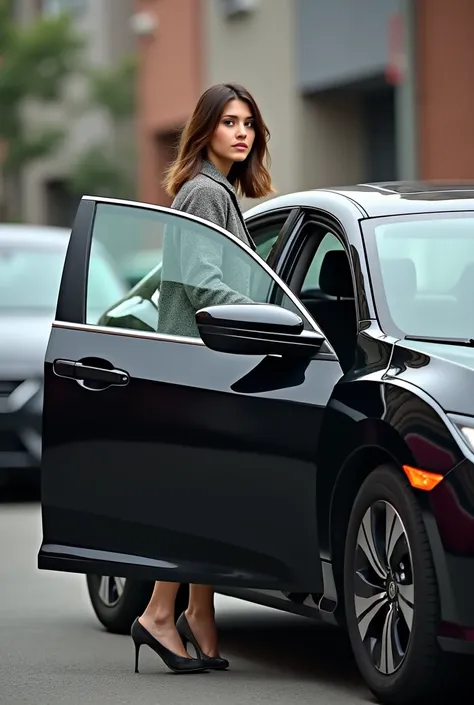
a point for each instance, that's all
(391, 596)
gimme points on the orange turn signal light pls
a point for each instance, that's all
(421, 479)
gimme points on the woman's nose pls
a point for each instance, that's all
(241, 131)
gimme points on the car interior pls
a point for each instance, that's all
(427, 272)
(394, 271)
(420, 312)
(335, 310)
(326, 289)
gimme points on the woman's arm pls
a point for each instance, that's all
(201, 256)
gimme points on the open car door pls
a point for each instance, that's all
(166, 459)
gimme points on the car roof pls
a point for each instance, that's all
(38, 235)
(380, 199)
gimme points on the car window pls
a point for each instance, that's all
(266, 233)
(327, 292)
(265, 238)
(200, 267)
(30, 276)
(427, 272)
(134, 260)
(328, 243)
(105, 285)
(264, 247)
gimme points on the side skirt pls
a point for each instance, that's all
(321, 608)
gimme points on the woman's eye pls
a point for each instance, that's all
(231, 123)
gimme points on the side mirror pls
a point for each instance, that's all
(256, 329)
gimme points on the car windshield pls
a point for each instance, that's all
(30, 275)
(426, 267)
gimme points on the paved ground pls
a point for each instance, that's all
(53, 651)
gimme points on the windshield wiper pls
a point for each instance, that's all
(468, 342)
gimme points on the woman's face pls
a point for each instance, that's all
(234, 136)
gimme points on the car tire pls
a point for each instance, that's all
(398, 663)
(118, 601)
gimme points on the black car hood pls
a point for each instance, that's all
(444, 371)
(23, 342)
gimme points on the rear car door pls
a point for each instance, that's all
(164, 459)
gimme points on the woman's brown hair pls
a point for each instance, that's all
(251, 177)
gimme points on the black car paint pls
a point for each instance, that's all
(226, 430)
(389, 407)
(387, 420)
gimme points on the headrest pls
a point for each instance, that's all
(399, 277)
(465, 283)
(335, 277)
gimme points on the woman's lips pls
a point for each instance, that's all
(241, 147)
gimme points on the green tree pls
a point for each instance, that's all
(34, 62)
(106, 168)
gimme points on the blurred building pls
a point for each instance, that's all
(172, 48)
(185, 46)
(366, 90)
(371, 90)
(105, 24)
(444, 56)
(316, 68)
(254, 42)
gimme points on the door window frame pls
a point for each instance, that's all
(301, 253)
(72, 298)
(287, 217)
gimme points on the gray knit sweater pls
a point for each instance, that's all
(198, 271)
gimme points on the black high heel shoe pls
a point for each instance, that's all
(176, 663)
(186, 634)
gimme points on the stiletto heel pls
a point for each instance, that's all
(176, 663)
(184, 630)
(137, 651)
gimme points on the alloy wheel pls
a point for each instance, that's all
(384, 587)
(110, 589)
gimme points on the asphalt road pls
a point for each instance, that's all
(54, 652)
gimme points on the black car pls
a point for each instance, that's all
(31, 263)
(312, 450)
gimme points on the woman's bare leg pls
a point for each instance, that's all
(200, 616)
(159, 617)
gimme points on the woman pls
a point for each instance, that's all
(222, 152)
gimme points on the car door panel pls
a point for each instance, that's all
(193, 471)
(197, 434)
